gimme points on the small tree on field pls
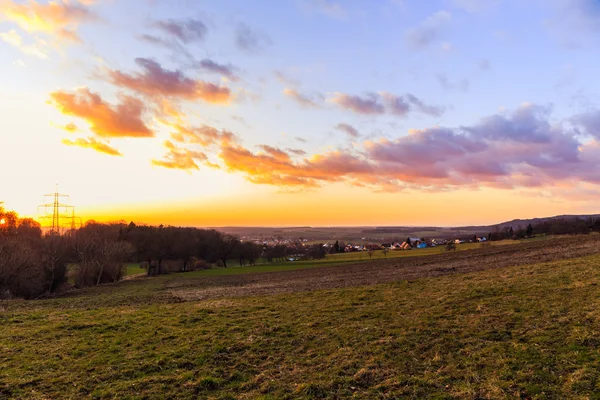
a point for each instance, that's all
(529, 230)
(225, 245)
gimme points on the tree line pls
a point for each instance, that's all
(33, 264)
(555, 226)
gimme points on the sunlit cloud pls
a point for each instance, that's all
(104, 119)
(156, 81)
(368, 104)
(507, 150)
(37, 49)
(203, 135)
(59, 18)
(71, 127)
(182, 158)
(91, 143)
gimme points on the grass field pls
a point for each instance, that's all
(527, 331)
(329, 260)
(134, 269)
(364, 256)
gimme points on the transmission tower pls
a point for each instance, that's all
(59, 212)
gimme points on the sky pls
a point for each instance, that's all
(301, 112)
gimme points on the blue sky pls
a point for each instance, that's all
(384, 101)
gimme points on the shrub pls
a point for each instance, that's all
(201, 264)
(21, 271)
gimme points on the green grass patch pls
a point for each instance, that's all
(134, 269)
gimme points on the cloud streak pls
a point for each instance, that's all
(227, 71)
(91, 143)
(185, 30)
(348, 129)
(384, 102)
(156, 81)
(38, 49)
(302, 99)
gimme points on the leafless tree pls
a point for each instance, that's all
(225, 245)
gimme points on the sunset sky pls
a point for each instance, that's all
(301, 112)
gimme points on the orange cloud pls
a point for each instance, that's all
(91, 143)
(122, 120)
(204, 135)
(156, 81)
(56, 18)
(184, 159)
(275, 166)
(70, 127)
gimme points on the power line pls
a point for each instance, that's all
(59, 212)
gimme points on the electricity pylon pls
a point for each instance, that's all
(56, 216)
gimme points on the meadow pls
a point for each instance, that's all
(330, 260)
(497, 322)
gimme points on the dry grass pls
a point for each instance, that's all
(494, 331)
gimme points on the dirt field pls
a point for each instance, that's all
(382, 271)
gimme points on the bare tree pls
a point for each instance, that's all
(225, 245)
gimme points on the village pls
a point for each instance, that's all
(408, 244)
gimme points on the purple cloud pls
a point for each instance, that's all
(348, 129)
(368, 104)
(187, 31)
(250, 40)
(227, 71)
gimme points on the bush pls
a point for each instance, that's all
(21, 271)
(201, 264)
(100, 257)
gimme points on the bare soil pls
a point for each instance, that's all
(383, 271)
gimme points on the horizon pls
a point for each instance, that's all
(386, 113)
(123, 221)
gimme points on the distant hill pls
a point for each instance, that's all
(533, 221)
(379, 233)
